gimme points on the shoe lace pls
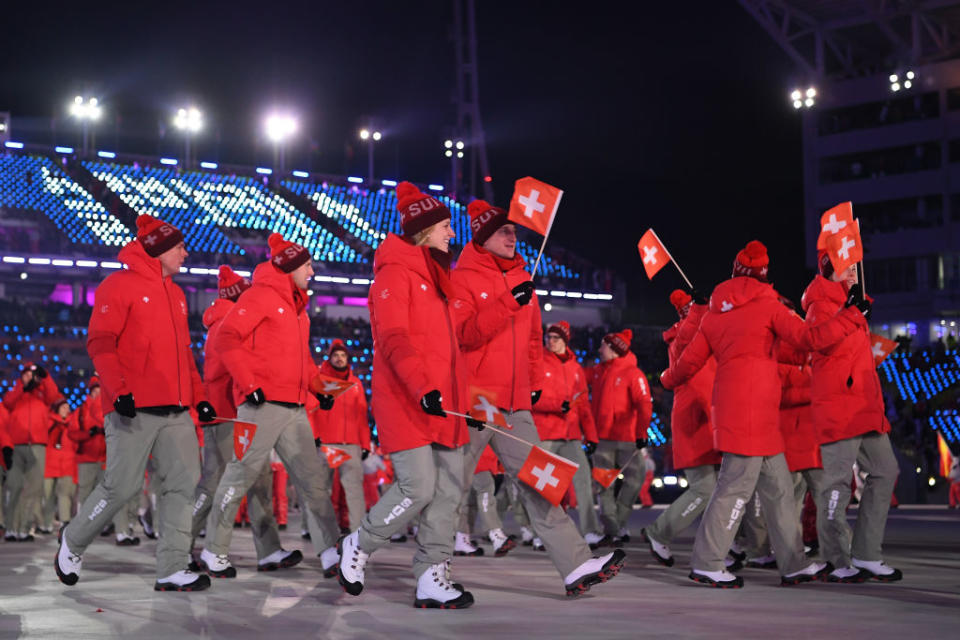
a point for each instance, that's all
(441, 578)
(74, 558)
(359, 559)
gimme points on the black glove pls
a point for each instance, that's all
(256, 398)
(641, 443)
(364, 454)
(206, 412)
(476, 424)
(565, 407)
(326, 402)
(523, 293)
(124, 406)
(31, 384)
(95, 431)
(589, 447)
(432, 403)
(39, 371)
(698, 298)
(8, 457)
(535, 396)
(855, 299)
(317, 443)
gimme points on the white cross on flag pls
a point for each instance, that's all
(534, 204)
(881, 347)
(839, 219)
(329, 386)
(335, 457)
(654, 256)
(844, 248)
(243, 433)
(548, 474)
(483, 406)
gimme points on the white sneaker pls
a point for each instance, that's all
(763, 562)
(878, 569)
(352, 562)
(216, 565)
(501, 543)
(280, 559)
(185, 580)
(538, 545)
(330, 560)
(526, 536)
(592, 539)
(723, 579)
(811, 572)
(660, 551)
(593, 571)
(435, 591)
(463, 547)
(67, 564)
(844, 573)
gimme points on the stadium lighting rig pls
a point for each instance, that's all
(370, 137)
(803, 99)
(905, 82)
(86, 111)
(279, 128)
(190, 122)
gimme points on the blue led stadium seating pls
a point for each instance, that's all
(36, 183)
(922, 382)
(946, 422)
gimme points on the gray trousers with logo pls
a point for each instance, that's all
(615, 509)
(481, 506)
(287, 430)
(739, 477)
(681, 514)
(172, 441)
(428, 486)
(582, 482)
(874, 455)
(351, 479)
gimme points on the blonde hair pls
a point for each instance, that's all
(420, 237)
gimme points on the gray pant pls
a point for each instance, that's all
(351, 479)
(217, 452)
(678, 516)
(57, 499)
(427, 486)
(287, 430)
(89, 475)
(564, 544)
(582, 482)
(874, 455)
(508, 498)
(756, 541)
(615, 510)
(172, 441)
(739, 477)
(481, 506)
(24, 486)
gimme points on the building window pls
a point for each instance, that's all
(882, 162)
(879, 114)
(903, 213)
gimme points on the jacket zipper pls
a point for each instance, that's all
(513, 350)
(176, 338)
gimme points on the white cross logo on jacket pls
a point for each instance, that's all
(725, 306)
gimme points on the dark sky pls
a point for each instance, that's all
(675, 116)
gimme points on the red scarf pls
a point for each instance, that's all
(342, 374)
(504, 264)
(438, 264)
(566, 355)
(299, 297)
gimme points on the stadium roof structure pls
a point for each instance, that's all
(838, 39)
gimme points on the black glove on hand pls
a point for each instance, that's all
(124, 406)
(856, 299)
(31, 384)
(364, 454)
(698, 298)
(565, 407)
(40, 372)
(317, 443)
(95, 430)
(523, 293)
(535, 396)
(326, 402)
(256, 398)
(641, 443)
(476, 424)
(8, 457)
(206, 412)
(432, 403)
(589, 447)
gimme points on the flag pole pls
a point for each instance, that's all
(543, 244)
(490, 426)
(863, 272)
(682, 274)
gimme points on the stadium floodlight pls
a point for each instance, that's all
(85, 110)
(190, 120)
(801, 99)
(898, 82)
(370, 136)
(279, 127)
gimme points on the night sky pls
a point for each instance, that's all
(675, 116)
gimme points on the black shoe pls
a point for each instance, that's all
(44, 530)
(10, 537)
(108, 530)
(464, 601)
(291, 560)
(477, 552)
(238, 525)
(758, 563)
(195, 567)
(398, 539)
(200, 584)
(148, 528)
(305, 535)
(741, 556)
(27, 538)
(281, 527)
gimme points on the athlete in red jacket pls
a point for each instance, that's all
(847, 407)
(29, 405)
(741, 328)
(417, 372)
(498, 321)
(139, 342)
(264, 344)
(60, 472)
(622, 407)
(565, 422)
(691, 433)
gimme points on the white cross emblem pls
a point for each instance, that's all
(330, 386)
(279, 309)
(548, 374)
(878, 349)
(146, 299)
(104, 308)
(278, 260)
(845, 245)
(487, 408)
(617, 382)
(423, 286)
(545, 476)
(150, 240)
(385, 294)
(531, 204)
(649, 255)
(483, 295)
(725, 306)
(833, 225)
(457, 304)
(242, 311)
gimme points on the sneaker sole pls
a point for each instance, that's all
(197, 585)
(291, 560)
(608, 572)
(464, 601)
(734, 584)
(505, 548)
(230, 572)
(478, 552)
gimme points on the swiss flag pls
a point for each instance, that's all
(844, 248)
(329, 386)
(483, 406)
(534, 204)
(605, 477)
(833, 221)
(243, 433)
(335, 457)
(881, 347)
(653, 253)
(548, 474)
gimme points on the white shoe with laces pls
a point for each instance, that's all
(501, 543)
(67, 563)
(185, 580)
(660, 552)
(878, 569)
(353, 560)
(330, 560)
(217, 565)
(463, 547)
(722, 579)
(526, 536)
(811, 572)
(435, 591)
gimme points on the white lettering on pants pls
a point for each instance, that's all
(691, 507)
(832, 503)
(485, 502)
(405, 504)
(201, 499)
(735, 513)
(97, 509)
(227, 497)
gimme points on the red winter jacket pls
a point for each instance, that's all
(562, 380)
(346, 422)
(30, 411)
(264, 340)
(622, 406)
(89, 448)
(502, 341)
(846, 396)
(61, 458)
(5, 440)
(690, 424)
(415, 351)
(741, 328)
(216, 378)
(138, 337)
(801, 443)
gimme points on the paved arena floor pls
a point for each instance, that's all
(519, 595)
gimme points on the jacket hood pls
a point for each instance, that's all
(623, 362)
(135, 257)
(395, 250)
(479, 260)
(737, 292)
(671, 334)
(267, 274)
(216, 311)
(823, 289)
